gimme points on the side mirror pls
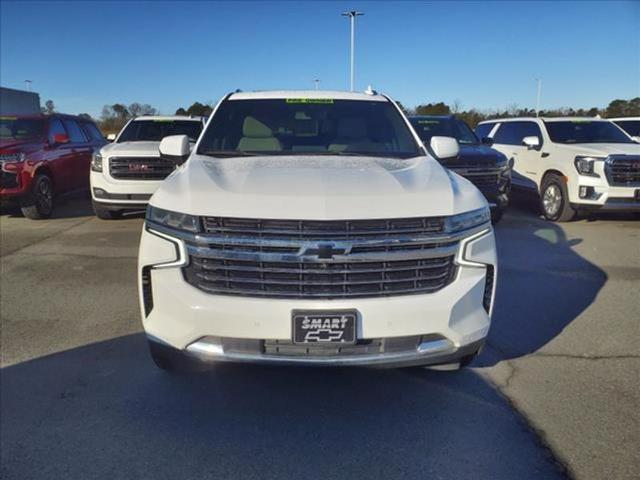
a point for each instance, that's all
(175, 148)
(111, 137)
(444, 147)
(531, 142)
(60, 139)
(488, 141)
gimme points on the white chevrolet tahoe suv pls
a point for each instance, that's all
(312, 228)
(125, 173)
(572, 163)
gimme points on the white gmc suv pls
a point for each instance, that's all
(571, 163)
(125, 173)
(312, 228)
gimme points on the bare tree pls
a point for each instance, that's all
(49, 107)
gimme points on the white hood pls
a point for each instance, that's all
(146, 149)
(316, 187)
(602, 149)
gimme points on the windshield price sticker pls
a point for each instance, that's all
(310, 100)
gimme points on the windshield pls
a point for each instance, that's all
(15, 128)
(585, 131)
(427, 127)
(156, 130)
(632, 127)
(308, 126)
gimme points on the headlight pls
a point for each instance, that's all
(96, 163)
(179, 221)
(585, 165)
(465, 221)
(12, 157)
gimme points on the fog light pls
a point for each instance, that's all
(99, 193)
(588, 193)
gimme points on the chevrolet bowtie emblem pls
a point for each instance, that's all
(326, 250)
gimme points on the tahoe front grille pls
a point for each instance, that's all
(623, 170)
(319, 280)
(318, 229)
(321, 259)
(140, 168)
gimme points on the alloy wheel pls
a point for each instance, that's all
(552, 200)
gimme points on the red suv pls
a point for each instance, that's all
(42, 156)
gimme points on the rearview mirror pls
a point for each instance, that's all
(175, 148)
(111, 137)
(60, 139)
(444, 147)
(531, 142)
(488, 141)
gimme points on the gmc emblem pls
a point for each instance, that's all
(138, 167)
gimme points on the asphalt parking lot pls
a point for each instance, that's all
(554, 395)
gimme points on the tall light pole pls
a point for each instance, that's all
(27, 84)
(352, 17)
(317, 82)
(539, 82)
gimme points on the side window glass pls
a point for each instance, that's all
(55, 128)
(92, 132)
(75, 133)
(484, 130)
(530, 129)
(506, 134)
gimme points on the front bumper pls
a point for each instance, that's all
(185, 318)
(427, 352)
(121, 194)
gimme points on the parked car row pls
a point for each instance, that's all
(586, 164)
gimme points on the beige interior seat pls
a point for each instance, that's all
(256, 136)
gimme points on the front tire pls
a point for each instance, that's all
(554, 200)
(39, 203)
(104, 213)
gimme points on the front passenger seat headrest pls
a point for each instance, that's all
(254, 128)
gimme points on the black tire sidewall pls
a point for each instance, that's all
(32, 208)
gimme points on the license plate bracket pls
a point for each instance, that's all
(324, 326)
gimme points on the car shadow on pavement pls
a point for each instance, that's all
(543, 285)
(105, 411)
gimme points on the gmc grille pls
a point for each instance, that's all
(321, 259)
(140, 168)
(623, 170)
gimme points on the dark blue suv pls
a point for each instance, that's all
(485, 167)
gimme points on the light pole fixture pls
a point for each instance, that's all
(352, 18)
(27, 84)
(539, 84)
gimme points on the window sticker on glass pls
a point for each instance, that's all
(422, 122)
(310, 100)
(8, 118)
